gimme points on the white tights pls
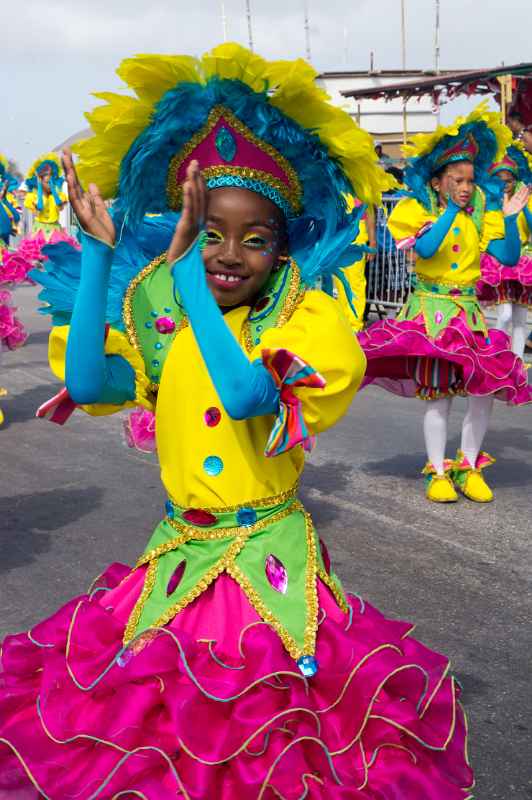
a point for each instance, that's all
(511, 314)
(474, 427)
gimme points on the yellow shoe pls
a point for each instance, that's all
(439, 488)
(470, 480)
(1, 416)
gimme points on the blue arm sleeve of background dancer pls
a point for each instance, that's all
(245, 389)
(428, 244)
(56, 197)
(528, 216)
(91, 376)
(16, 215)
(40, 201)
(507, 250)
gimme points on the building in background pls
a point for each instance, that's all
(383, 118)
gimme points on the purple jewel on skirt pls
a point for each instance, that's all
(438, 317)
(176, 578)
(276, 573)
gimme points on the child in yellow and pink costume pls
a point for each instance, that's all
(229, 662)
(439, 345)
(509, 287)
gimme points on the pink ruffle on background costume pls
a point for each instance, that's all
(212, 706)
(501, 284)
(487, 366)
(15, 264)
(12, 332)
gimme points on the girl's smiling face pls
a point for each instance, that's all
(246, 234)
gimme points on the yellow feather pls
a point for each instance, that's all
(292, 89)
(424, 143)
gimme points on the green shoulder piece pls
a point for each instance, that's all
(152, 316)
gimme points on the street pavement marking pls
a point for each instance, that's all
(357, 508)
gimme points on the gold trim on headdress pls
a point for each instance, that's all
(174, 188)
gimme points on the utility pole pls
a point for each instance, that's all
(437, 39)
(250, 28)
(403, 65)
(224, 21)
(307, 31)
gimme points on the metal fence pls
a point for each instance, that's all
(389, 274)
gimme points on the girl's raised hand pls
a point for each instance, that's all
(516, 203)
(89, 207)
(193, 215)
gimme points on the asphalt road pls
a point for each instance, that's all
(73, 499)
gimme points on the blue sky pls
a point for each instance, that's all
(55, 53)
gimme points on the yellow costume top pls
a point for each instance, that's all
(457, 260)
(316, 332)
(49, 215)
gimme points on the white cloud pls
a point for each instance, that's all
(57, 53)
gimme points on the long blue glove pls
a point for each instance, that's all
(428, 244)
(55, 195)
(245, 389)
(14, 211)
(40, 199)
(91, 376)
(507, 250)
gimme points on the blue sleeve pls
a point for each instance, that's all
(245, 389)
(56, 197)
(40, 201)
(429, 243)
(507, 250)
(16, 215)
(91, 376)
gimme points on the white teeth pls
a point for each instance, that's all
(228, 278)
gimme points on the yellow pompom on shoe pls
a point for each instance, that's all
(470, 480)
(1, 417)
(439, 488)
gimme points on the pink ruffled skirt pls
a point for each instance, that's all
(501, 284)
(403, 359)
(12, 331)
(212, 706)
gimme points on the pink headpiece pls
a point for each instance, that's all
(229, 154)
(464, 150)
(505, 163)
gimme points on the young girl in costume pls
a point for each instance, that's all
(229, 662)
(439, 345)
(9, 213)
(510, 287)
(45, 199)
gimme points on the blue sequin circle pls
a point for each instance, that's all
(169, 508)
(154, 314)
(454, 265)
(158, 346)
(213, 465)
(308, 665)
(148, 325)
(246, 516)
(456, 231)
